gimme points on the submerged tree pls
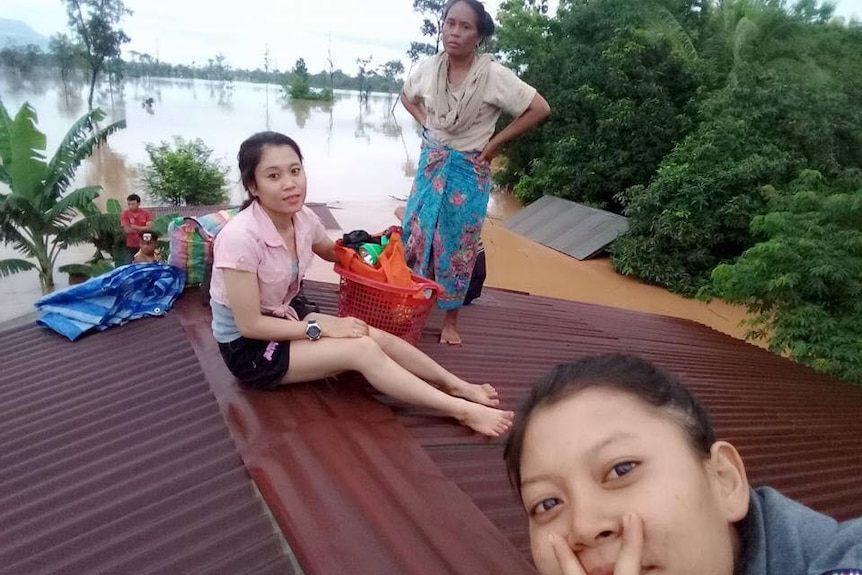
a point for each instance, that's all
(65, 54)
(38, 216)
(391, 70)
(184, 173)
(95, 22)
(432, 26)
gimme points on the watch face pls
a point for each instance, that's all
(312, 330)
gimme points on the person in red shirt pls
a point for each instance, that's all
(134, 221)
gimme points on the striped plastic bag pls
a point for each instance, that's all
(191, 243)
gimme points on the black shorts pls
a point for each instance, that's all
(256, 363)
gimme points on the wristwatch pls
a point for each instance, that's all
(312, 330)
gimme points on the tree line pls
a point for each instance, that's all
(729, 132)
(96, 37)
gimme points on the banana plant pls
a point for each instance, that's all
(38, 213)
(107, 236)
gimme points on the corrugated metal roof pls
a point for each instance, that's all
(353, 491)
(116, 458)
(568, 227)
(358, 483)
(797, 430)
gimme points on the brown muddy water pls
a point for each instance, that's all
(360, 158)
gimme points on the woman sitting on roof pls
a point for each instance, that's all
(261, 255)
(618, 469)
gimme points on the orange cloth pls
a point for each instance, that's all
(391, 267)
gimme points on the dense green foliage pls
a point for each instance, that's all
(803, 282)
(300, 88)
(618, 100)
(680, 114)
(184, 173)
(109, 241)
(39, 216)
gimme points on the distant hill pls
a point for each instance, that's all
(18, 33)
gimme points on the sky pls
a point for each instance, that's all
(186, 31)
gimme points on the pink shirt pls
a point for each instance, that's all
(249, 242)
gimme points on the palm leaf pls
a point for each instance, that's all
(662, 23)
(19, 212)
(5, 142)
(112, 206)
(92, 270)
(25, 164)
(746, 29)
(20, 243)
(76, 146)
(89, 229)
(13, 266)
(80, 199)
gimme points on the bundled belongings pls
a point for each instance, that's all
(384, 294)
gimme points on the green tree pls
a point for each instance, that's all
(218, 68)
(432, 26)
(184, 173)
(94, 23)
(364, 74)
(772, 120)
(22, 59)
(37, 216)
(300, 86)
(803, 281)
(390, 71)
(65, 54)
(620, 99)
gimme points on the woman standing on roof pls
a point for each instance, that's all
(458, 96)
(620, 473)
(261, 255)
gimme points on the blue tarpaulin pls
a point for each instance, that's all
(123, 294)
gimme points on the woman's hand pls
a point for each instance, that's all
(489, 152)
(341, 327)
(628, 561)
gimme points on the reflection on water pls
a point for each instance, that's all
(355, 150)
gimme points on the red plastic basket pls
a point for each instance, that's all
(401, 311)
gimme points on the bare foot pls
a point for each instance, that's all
(486, 420)
(484, 394)
(450, 335)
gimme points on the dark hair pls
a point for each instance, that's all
(250, 152)
(484, 22)
(133, 198)
(621, 372)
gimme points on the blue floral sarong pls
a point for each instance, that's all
(443, 218)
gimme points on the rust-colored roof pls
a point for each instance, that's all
(114, 458)
(357, 489)
(797, 430)
(359, 483)
(350, 487)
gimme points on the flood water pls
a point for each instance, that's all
(360, 157)
(359, 154)
(354, 150)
